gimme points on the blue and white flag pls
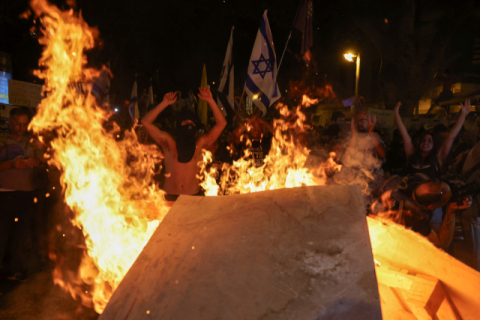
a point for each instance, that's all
(150, 97)
(261, 85)
(101, 86)
(133, 109)
(225, 95)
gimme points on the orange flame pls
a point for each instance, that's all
(284, 166)
(107, 184)
(307, 102)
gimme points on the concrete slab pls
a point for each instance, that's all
(301, 253)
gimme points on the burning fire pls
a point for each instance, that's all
(307, 102)
(107, 183)
(284, 166)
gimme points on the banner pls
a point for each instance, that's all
(24, 93)
(385, 118)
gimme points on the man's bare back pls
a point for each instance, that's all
(182, 156)
(181, 178)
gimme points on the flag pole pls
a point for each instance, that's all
(283, 54)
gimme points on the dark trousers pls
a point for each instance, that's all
(16, 218)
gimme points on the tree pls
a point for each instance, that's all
(413, 48)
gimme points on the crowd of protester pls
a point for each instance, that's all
(408, 176)
(405, 174)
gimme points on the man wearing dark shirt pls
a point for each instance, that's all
(17, 160)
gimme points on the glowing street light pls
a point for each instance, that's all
(349, 57)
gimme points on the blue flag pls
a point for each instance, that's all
(225, 95)
(133, 109)
(150, 97)
(261, 85)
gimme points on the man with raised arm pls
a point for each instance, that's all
(183, 153)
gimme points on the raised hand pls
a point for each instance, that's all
(170, 98)
(467, 202)
(205, 94)
(19, 162)
(466, 108)
(397, 107)
(352, 126)
(371, 124)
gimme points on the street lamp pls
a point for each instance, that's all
(349, 57)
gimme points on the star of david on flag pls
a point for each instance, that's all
(259, 69)
(225, 94)
(261, 85)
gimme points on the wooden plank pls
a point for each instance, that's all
(447, 311)
(389, 298)
(396, 314)
(420, 296)
(407, 250)
(394, 279)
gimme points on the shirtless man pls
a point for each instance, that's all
(363, 136)
(182, 156)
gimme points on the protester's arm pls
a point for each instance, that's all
(407, 141)
(447, 144)
(18, 163)
(161, 137)
(379, 147)
(220, 122)
(444, 237)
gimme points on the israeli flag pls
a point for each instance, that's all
(261, 85)
(225, 95)
(133, 109)
(150, 97)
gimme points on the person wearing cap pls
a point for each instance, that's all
(411, 202)
(183, 153)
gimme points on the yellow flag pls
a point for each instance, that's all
(202, 105)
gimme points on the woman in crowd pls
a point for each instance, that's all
(429, 156)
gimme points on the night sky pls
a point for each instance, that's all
(177, 37)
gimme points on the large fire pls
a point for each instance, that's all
(107, 183)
